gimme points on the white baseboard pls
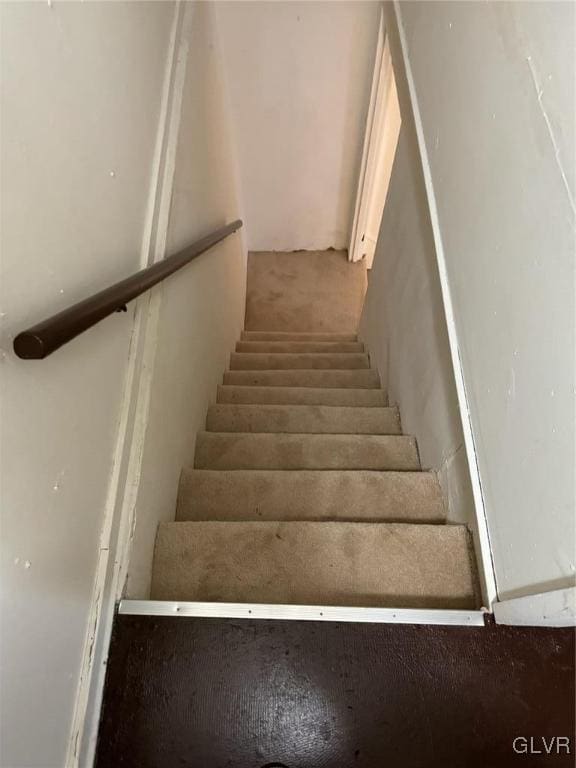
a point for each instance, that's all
(545, 609)
(116, 533)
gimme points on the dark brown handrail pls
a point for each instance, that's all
(42, 339)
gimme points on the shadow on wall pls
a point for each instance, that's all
(403, 324)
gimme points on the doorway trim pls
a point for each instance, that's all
(377, 154)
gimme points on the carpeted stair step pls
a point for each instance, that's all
(360, 564)
(238, 450)
(295, 347)
(288, 336)
(366, 398)
(365, 496)
(358, 379)
(246, 361)
(303, 419)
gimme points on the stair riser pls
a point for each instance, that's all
(245, 361)
(367, 398)
(361, 379)
(287, 336)
(260, 451)
(410, 497)
(295, 347)
(418, 566)
(303, 419)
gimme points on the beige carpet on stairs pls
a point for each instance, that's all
(306, 291)
(303, 419)
(253, 494)
(304, 489)
(418, 566)
(301, 396)
(366, 378)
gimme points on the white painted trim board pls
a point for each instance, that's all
(556, 608)
(364, 170)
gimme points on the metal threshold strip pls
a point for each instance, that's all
(303, 612)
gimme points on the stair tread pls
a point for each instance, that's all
(363, 378)
(364, 495)
(342, 347)
(230, 393)
(314, 563)
(239, 450)
(295, 336)
(303, 419)
(250, 361)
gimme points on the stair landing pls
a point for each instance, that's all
(304, 291)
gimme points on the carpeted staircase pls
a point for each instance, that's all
(305, 491)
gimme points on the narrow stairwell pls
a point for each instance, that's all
(304, 490)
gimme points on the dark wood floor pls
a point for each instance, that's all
(220, 693)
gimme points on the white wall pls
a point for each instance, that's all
(100, 102)
(299, 75)
(495, 90)
(202, 311)
(81, 90)
(404, 327)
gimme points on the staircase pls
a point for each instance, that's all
(304, 490)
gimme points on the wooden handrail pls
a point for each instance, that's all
(42, 339)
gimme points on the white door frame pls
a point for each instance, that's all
(376, 138)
